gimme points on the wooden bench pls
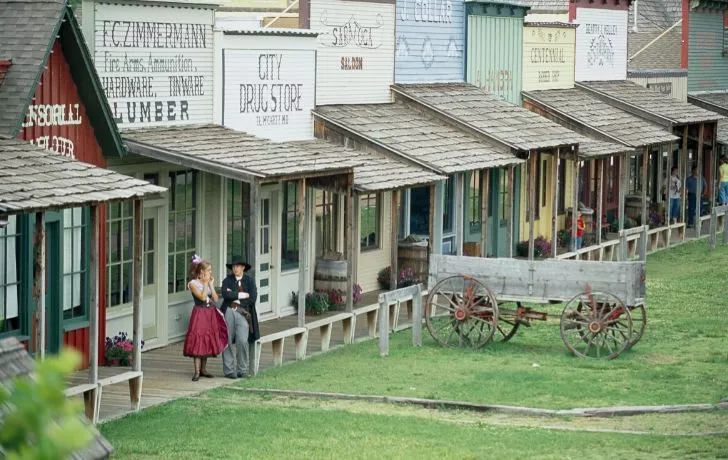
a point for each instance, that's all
(135, 387)
(372, 312)
(325, 325)
(90, 399)
(277, 341)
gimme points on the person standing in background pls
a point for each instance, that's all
(674, 196)
(239, 294)
(723, 186)
(691, 186)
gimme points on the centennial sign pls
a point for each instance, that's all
(548, 57)
(155, 63)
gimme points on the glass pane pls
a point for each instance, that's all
(114, 210)
(114, 285)
(264, 240)
(171, 234)
(67, 250)
(149, 268)
(76, 298)
(76, 249)
(180, 272)
(170, 273)
(67, 291)
(149, 235)
(190, 230)
(127, 235)
(126, 282)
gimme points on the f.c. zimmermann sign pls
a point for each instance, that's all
(157, 70)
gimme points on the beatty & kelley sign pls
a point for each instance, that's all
(155, 63)
(601, 44)
(355, 62)
(270, 92)
(548, 57)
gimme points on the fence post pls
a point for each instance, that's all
(417, 316)
(383, 325)
(643, 243)
(713, 228)
(725, 228)
(622, 246)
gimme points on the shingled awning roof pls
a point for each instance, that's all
(16, 363)
(502, 121)
(714, 101)
(33, 179)
(645, 103)
(409, 133)
(241, 156)
(599, 119)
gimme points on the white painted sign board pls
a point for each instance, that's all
(601, 44)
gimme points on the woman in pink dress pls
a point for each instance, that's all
(207, 331)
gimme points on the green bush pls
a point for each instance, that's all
(40, 423)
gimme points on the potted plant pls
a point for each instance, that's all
(118, 350)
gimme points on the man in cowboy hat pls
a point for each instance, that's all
(239, 295)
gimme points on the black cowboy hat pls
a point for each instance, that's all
(238, 261)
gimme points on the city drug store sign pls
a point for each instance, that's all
(355, 63)
(548, 57)
(155, 63)
(270, 92)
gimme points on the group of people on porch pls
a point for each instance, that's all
(212, 330)
(696, 188)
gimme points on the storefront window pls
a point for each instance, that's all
(475, 198)
(10, 277)
(119, 254)
(420, 211)
(289, 219)
(74, 263)
(182, 227)
(447, 210)
(237, 223)
(369, 207)
(326, 222)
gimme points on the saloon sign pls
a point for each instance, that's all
(155, 63)
(48, 119)
(270, 92)
(355, 62)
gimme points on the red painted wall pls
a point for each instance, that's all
(57, 120)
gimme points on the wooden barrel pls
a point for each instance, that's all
(330, 275)
(413, 256)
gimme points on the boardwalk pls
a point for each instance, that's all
(167, 374)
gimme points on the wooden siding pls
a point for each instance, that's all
(370, 262)
(495, 55)
(707, 67)
(542, 224)
(58, 87)
(430, 41)
(675, 87)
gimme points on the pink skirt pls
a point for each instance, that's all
(207, 334)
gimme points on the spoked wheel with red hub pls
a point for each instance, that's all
(596, 325)
(461, 311)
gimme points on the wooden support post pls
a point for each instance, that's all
(459, 212)
(394, 242)
(511, 210)
(531, 200)
(600, 199)
(383, 326)
(417, 317)
(555, 203)
(137, 250)
(575, 203)
(252, 233)
(484, 197)
(431, 240)
(93, 307)
(668, 217)
(714, 164)
(40, 283)
(645, 167)
(683, 160)
(623, 160)
(350, 242)
(301, 210)
(699, 183)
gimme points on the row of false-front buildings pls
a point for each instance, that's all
(474, 125)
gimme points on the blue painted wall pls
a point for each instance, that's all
(707, 67)
(429, 41)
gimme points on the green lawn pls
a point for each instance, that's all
(682, 358)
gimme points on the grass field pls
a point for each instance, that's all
(682, 358)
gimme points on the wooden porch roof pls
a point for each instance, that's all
(33, 179)
(476, 109)
(416, 137)
(597, 118)
(241, 156)
(650, 105)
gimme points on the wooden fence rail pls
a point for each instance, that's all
(394, 298)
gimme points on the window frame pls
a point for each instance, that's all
(80, 320)
(18, 238)
(364, 236)
(179, 260)
(123, 264)
(290, 188)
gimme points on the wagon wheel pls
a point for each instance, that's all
(596, 325)
(461, 311)
(639, 323)
(508, 322)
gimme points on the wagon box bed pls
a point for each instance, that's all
(543, 281)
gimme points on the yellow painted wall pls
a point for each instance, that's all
(542, 225)
(371, 261)
(548, 57)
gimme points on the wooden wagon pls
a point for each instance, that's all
(473, 301)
